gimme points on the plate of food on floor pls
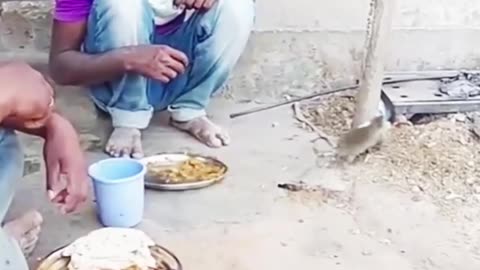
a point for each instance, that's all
(112, 249)
(183, 171)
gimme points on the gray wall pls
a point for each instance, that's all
(314, 39)
(348, 15)
(428, 34)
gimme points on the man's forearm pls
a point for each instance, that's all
(77, 68)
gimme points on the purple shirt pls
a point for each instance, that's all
(78, 10)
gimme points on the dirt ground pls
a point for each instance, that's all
(247, 222)
(436, 157)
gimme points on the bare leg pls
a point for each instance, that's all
(112, 26)
(214, 40)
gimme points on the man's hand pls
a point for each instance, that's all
(26, 97)
(158, 62)
(195, 4)
(67, 179)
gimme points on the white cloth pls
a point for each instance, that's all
(164, 11)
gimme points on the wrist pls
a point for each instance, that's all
(54, 122)
(126, 58)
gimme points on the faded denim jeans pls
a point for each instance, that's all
(213, 41)
(11, 170)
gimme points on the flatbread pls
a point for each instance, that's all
(111, 248)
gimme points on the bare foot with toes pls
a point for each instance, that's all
(205, 131)
(26, 230)
(125, 142)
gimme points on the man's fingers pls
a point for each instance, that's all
(182, 6)
(53, 178)
(177, 66)
(170, 73)
(34, 124)
(198, 4)
(163, 79)
(27, 123)
(46, 115)
(71, 204)
(38, 122)
(60, 198)
(73, 195)
(189, 3)
(208, 4)
(77, 189)
(178, 55)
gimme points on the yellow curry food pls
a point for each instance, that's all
(189, 171)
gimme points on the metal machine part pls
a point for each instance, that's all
(424, 95)
(464, 86)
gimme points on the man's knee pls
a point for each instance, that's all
(238, 15)
(232, 19)
(125, 12)
(114, 24)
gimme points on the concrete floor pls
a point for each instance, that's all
(246, 222)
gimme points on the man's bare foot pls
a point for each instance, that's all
(205, 131)
(26, 230)
(125, 142)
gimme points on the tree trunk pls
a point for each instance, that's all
(368, 96)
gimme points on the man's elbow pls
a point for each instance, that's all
(59, 73)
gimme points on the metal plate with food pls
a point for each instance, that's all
(117, 251)
(180, 171)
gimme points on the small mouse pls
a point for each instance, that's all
(360, 139)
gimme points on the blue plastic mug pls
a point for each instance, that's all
(119, 191)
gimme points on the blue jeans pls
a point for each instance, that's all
(11, 169)
(213, 41)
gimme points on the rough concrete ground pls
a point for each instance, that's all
(246, 222)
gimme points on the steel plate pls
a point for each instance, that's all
(423, 96)
(55, 261)
(170, 159)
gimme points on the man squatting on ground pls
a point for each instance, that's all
(140, 56)
(26, 104)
